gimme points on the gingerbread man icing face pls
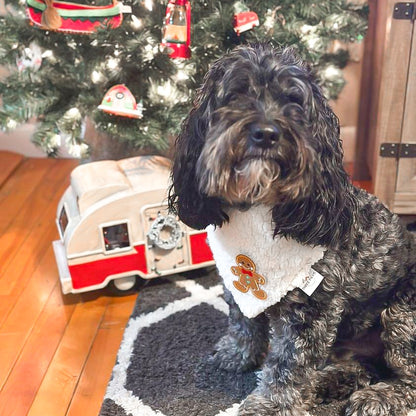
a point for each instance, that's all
(248, 279)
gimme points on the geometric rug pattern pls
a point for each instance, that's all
(161, 365)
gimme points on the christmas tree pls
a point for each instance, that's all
(60, 79)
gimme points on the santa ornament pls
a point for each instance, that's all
(120, 101)
(176, 35)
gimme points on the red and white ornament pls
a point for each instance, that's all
(176, 34)
(120, 101)
(245, 21)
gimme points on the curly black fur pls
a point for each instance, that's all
(316, 344)
(255, 84)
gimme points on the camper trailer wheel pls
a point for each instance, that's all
(123, 284)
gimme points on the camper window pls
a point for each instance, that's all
(63, 220)
(116, 236)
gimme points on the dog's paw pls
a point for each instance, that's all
(230, 355)
(376, 400)
(339, 381)
(256, 405)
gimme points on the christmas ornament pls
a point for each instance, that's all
(31, 58)
(245, 21)
(120, 101)
(72, 17)
(176, 37)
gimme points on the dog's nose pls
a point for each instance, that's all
(264, 134)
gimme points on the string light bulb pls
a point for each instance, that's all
(148, 4)
(135, 23)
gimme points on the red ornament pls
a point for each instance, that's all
(120, 101)
(245, 21)
(176, 35)
(67, 17)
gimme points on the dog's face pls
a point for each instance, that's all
(260, 131)
(258, 143)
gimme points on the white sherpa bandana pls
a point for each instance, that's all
(256, 268)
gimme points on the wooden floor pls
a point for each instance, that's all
(56, 351)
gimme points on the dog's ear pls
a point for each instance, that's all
(333, 187)
(323, 217)
(194, 208)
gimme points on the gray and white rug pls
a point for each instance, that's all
(160, 368)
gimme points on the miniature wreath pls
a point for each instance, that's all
(165, 223)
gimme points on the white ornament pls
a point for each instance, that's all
(31, 58)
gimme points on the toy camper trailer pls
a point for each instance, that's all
(115, 227)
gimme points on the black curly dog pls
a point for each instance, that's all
(261, 132)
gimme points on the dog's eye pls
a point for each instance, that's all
(295, 97)
(232, 98)
(294, 112)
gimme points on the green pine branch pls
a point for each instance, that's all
(77, 70)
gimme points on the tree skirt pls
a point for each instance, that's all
(160, 368)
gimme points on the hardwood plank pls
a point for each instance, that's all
(32, 215)
(18, 276)
(18, 273)
(90, 391)
(56, 390)
(9, 162)
(19, 188)
(21, 387)
(20, 260)
(24, 315)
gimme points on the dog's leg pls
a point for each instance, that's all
(393, 397)
(301, 336)
(338, 381)
(245, 345)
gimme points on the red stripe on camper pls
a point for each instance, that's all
(200, 251)
(95, 272)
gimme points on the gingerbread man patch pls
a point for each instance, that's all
(248, 279)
